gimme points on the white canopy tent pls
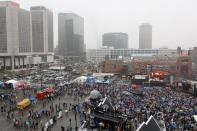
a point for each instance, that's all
(80, 80)
(13, 82)
(195, 118)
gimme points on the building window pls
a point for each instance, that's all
(114, 65)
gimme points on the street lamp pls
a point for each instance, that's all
(41, 77)
(149, 70)
(76, 118)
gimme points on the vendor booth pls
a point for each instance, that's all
(11, 83)
(43, 94)
(1, 84)
(80, 80)
(32, 99)
(22, 84)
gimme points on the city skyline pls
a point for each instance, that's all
(171, 27)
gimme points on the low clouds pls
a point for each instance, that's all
(174, 21)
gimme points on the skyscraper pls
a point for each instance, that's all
(24, 28)
(116, 40)
(145, 36)
(70, 34)
(42, 29)
(15, 35)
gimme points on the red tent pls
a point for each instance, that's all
(41, 95)
(49, 90)
(22, 84)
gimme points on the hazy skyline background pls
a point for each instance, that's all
(174, 21)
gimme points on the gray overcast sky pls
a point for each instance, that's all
(174, 21)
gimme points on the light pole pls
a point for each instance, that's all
(76, 119)
(170, 76)
(70, 122)
(149, 80)
(41, 75)
(149, 70)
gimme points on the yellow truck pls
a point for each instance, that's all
(23, 104)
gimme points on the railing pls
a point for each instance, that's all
(115, 117)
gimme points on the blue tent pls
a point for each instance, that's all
(32, 99)
(78, 108)
(90, 80)
(1, 84)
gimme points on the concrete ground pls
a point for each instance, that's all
(7, 125)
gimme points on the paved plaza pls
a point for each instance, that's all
(8, 125)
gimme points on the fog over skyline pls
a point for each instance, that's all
(174, 21)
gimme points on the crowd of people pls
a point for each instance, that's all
(49, 111)
(174, 108)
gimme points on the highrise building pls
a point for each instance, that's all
(42, 30)
(15, 35)
(24, 28)
(70, 34)
(116, 40)
(145, 36)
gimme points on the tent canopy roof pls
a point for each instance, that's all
(11, 82)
